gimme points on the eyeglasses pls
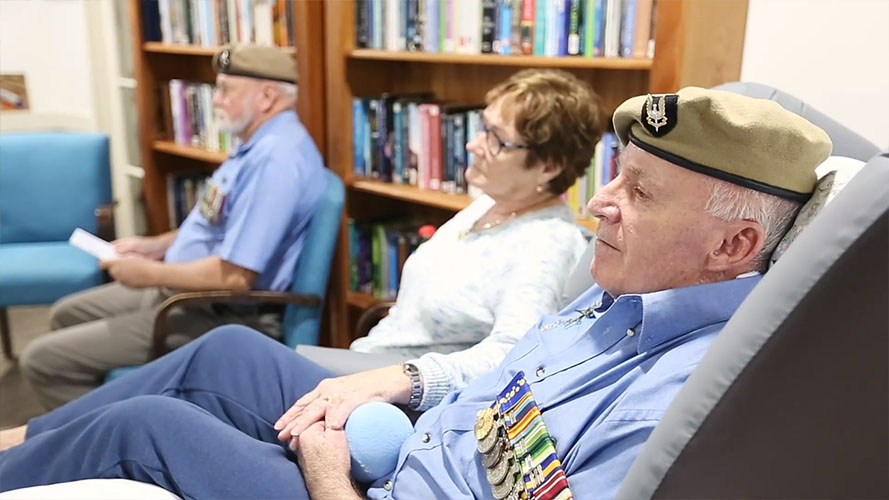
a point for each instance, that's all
(495, 144)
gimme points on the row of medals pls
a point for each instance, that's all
(499, 458)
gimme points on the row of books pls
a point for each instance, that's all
(603, 168)
(408, 139)
(377, 251)
(219, 22)
(187, 111)
(591, 28)
(183, 192)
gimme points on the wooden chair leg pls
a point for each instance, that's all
(5, 334)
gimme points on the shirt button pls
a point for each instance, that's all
(630, 332)
(426, 437)
(387, 486)
(541, 371)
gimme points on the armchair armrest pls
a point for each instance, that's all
(105, 221)
(160, 333)
(371, 316)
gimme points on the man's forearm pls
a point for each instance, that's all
(211, 273)
(166, 239)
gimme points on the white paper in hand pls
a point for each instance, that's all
(93, 245)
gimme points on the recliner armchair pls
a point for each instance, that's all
(50, 184)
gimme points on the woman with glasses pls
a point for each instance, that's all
(466, 296)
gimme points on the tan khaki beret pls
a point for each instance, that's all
(754, 143)
(256, 61)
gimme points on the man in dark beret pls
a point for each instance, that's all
(245, 232)
(709, 182)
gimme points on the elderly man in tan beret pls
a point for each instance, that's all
(709, 182)
(246, 232)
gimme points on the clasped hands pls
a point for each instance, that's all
(330, 403)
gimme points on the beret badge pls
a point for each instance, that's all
(659, 114)
(225, 59)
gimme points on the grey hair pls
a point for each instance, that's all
(288, 90)
(731, 202)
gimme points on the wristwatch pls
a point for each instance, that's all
(413, 373)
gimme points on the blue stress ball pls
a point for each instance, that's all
(375, 432)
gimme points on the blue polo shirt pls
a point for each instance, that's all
(602, 384)
(268, 188)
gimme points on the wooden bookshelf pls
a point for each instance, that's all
(155, 63)
(191, 152)
(697, 42)
(496, 60)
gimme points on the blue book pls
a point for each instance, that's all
(628, 29)
(376, 24)
(540, 27)
(504, 26)
(359, 126)
(432, 26)
(564, 21)
(399, 143)
(599, 29)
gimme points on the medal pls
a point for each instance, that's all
(496, 474)
(484, 423)
(493, 457)
(504, 488)
(485, 444)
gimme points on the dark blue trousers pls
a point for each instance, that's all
(197, 422)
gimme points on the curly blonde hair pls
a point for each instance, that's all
(558, 115)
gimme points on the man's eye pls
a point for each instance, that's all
(640, 193)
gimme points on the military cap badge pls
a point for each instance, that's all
(225, 59)
(659, 114)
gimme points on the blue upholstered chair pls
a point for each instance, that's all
(305, 299)
(50, 184)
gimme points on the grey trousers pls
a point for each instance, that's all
(110, 326)
(346, 362)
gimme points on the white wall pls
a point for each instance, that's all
(46, 40)
(832, 54)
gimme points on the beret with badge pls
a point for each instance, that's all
(754, 143)
(256, 61)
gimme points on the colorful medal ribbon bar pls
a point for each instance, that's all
(530, 442)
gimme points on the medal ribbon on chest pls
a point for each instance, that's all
(516, 448)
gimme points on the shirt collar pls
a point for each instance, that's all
(668, 314)
(283, 116)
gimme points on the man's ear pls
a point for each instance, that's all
(268, 96)
(741, 242)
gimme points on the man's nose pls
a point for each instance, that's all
(603, 206)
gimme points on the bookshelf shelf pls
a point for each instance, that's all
(413, 194)
(616, 63)
(172, 148)
(697, 42)
(180, 49)
(157, 63)
(360, 300)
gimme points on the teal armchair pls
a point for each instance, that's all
(50, 184)
(304, 302)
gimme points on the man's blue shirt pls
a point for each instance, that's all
(602, 385)
(270, 185)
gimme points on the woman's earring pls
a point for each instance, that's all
(540, 188)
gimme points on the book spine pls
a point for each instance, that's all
(362, 26)
(574, 27)
(398, 143)
(540, 27)
(359, 119)
(489, 25)
(527, 27)
(628, 28)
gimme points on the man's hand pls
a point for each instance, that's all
(133, 272)
(325, 463)
(152, 248)
(333, 400)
